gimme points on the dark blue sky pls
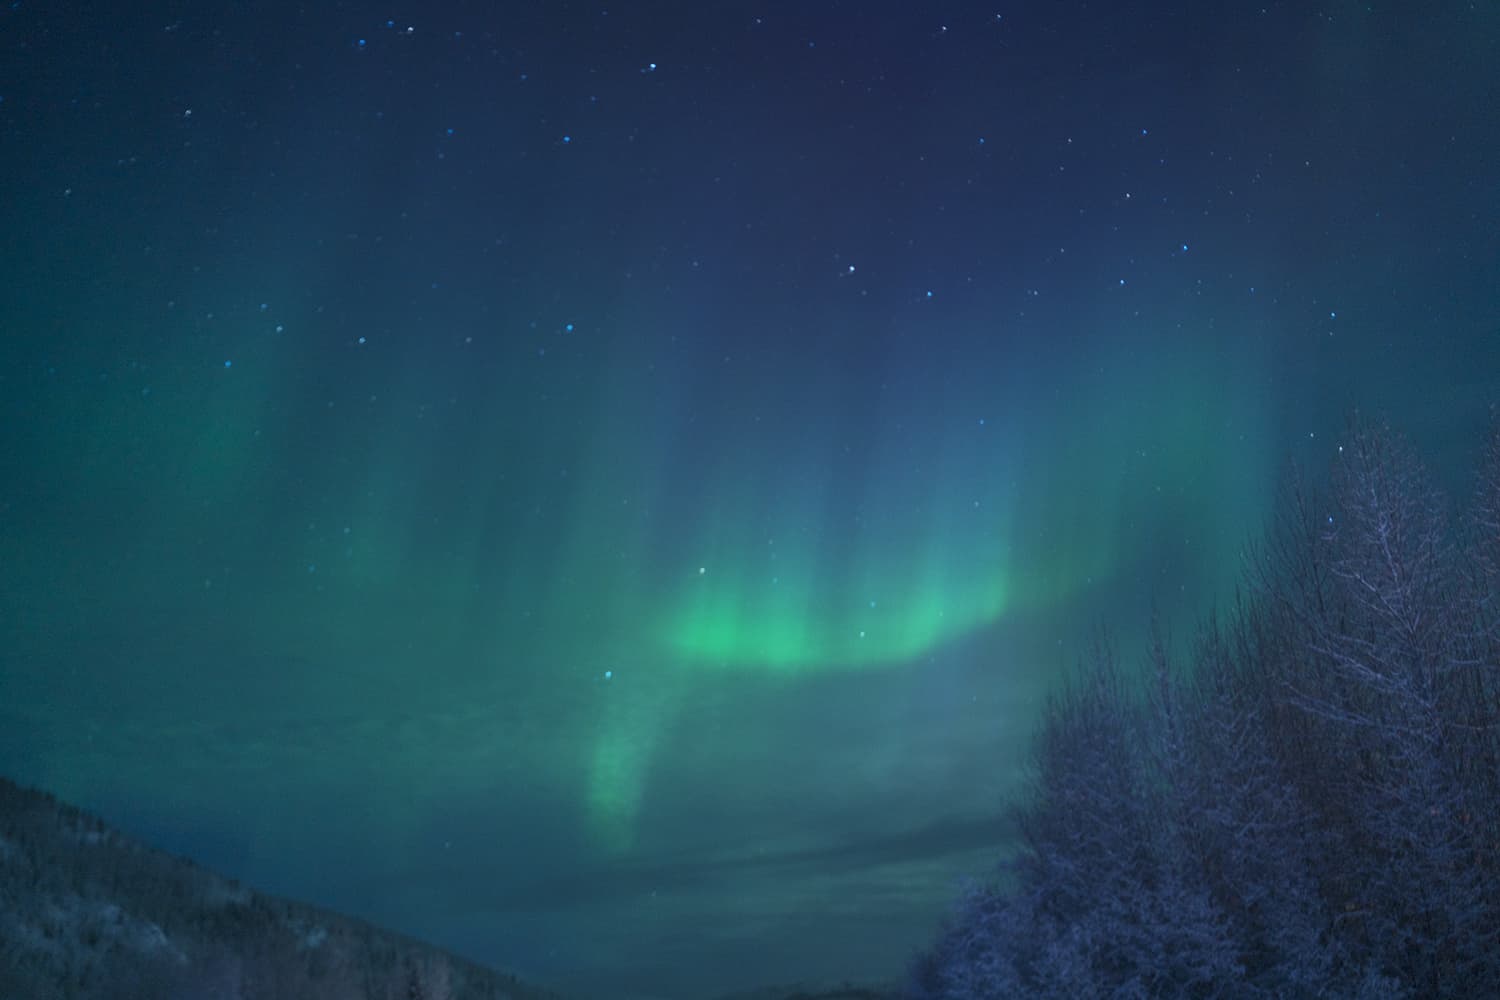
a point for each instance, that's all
(606, 487)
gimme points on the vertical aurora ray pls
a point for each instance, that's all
(950, 526)
(839, 539)
(882, 590)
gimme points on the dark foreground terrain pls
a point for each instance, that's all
(87, 913)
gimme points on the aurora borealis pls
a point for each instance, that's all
(606, 489)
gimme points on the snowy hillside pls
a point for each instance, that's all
(86, 912)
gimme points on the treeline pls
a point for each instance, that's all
(1310, 806)
(88, 914)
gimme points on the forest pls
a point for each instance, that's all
(1302, 803)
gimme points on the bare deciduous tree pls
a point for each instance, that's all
(1311, 809)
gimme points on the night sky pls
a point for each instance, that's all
(606, 488)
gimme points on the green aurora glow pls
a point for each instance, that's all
(412, 511)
